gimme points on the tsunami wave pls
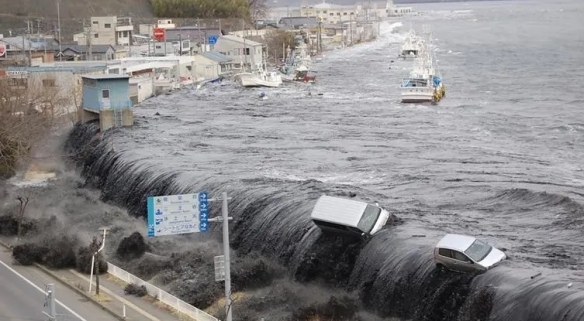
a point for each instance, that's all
(394, 274)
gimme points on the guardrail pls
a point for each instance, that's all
(161, 295)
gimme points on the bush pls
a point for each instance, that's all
(28, 254)
(9, 225)
(61, 253)
(132, 247)
(134, 289)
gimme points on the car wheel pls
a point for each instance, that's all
(440, 267)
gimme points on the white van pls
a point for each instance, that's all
(348, 216)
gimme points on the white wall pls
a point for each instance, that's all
(142, 88)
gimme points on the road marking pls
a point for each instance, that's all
(43, 291)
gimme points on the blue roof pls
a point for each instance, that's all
(106, 76)
(215, 56)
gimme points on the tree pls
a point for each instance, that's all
(23, 202)
(276, 41)
(29, 108)
(257, 9)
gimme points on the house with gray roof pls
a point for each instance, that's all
(81, 52)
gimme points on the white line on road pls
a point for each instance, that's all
(43, 291)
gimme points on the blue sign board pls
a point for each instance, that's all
(178, 214)
(212, 39)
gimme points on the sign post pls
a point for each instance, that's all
(189, 213)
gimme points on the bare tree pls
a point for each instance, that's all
(23, 202)
(257, 9)
(29, 109)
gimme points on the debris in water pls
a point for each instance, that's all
(535, 275)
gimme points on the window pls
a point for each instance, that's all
(48, 82)
(95, 35)
(460, 257)
(369, 218)
(445, 253)
(344, 13)
(107, 25)
(478, 250)
(247, 51)
(105, 94)
(95, 22)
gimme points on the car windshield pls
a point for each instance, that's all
(478, 250)
(369, 218)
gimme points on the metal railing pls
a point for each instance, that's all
(161, 295)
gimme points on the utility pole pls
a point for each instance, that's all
(88, 33)
(28, 27)
(50, 302)
(95, 264)
(59, 27)
(227, 261)
(226, 250)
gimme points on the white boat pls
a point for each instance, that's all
(425, 83)
(412, 46)
(259, 78)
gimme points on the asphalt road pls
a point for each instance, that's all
(22, 296)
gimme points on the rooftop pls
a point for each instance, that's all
(106, 77)
(240, 40)
(73, 69)
(215, 56)
(456, 242)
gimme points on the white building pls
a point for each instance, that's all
(53, 89)
(241, 51)
(333, 13)
(111, 30)
(211, 65)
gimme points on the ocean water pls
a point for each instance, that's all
(500, 157)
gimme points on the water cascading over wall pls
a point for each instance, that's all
(393, 275)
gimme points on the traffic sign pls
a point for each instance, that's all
(159, 34)
(219, 268)
(212, 39)
(178, 214)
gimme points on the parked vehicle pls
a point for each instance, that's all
(348, 216)
(466, 254)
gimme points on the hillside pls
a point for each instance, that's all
(14, 14)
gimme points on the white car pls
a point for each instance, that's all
(466, 254)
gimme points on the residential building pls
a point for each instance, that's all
(194, 34)
(110, 30)
(299, 22)
(63, 83)
(243, 52)
(177, 48)
(82, 52)
(26, 50)
(211, 65)
(362, 11)
(331, 13)
(107, 98)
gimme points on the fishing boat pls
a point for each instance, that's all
(424, 83)
(259, 78)
(297, 63)
(411, 46)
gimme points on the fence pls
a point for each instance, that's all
(161, 295)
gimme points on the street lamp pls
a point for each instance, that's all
(96, 264)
